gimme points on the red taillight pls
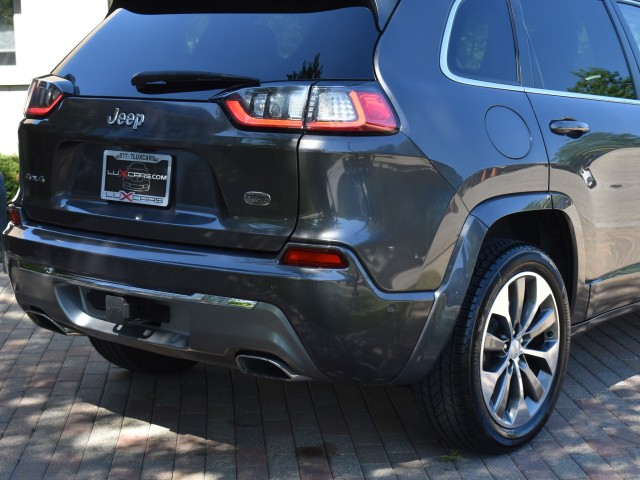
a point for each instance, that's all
(242, 116)
(338, 109)
(14, 216)
(314, 258)
(270, 107)
(45, 94)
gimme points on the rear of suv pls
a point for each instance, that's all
(435, 194)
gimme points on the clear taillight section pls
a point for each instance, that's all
(45, 94)
(362, 109)
(343, 109)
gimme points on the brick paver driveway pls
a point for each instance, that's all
(66, 413)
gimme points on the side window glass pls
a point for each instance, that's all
(631, 16)
(481, 45)
(575, 48)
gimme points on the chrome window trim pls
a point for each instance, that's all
(444, 66)
(583, 96)
(634, 3)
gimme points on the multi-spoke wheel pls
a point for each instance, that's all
(499, 377)
(520, 349)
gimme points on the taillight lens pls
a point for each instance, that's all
(45, 94)
(337, 109)
(274, 107)
(343, 109)
(314, 258)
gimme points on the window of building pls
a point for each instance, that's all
(7, 37)
(481, 45)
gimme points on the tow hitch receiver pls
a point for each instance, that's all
(118, 310)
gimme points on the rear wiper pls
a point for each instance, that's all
(171, 81)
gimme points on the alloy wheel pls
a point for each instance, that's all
(520, 350)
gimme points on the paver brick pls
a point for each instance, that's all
(65, 412)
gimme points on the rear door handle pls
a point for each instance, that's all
(569, 127)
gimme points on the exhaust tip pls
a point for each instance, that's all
(42, 320)
(267, 366)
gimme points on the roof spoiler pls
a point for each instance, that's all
(382, 8)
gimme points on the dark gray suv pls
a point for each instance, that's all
(428, 193)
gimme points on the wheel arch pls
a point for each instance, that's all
(548, 221)
(524, 217)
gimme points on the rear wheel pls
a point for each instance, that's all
(499, 377)
(138, 360)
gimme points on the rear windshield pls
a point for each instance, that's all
(333, 44)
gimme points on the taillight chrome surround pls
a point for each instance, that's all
(320, 108)
(45, 94)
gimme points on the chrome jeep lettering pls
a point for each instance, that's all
(133, 120)
(112, 119)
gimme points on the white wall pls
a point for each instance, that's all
(45, 31)
(12, 103)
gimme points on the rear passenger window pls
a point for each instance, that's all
(631, 16)
(481, 44)
(575, 48)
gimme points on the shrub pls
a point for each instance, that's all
(10, 168)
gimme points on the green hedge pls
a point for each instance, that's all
(10, 168)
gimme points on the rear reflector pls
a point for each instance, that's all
(14, 216)
(314, 258)
(337, 109)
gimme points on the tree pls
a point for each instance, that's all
(599, 81)
(310, 71)
(6, 12)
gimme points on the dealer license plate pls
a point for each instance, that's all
(138, 178)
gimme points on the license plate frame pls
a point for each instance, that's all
(136, 178)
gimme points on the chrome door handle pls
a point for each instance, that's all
(569, 127)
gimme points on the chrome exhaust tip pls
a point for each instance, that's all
(44, 321)
(267, 366)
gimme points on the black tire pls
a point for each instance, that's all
(499, 377)
(138, 360)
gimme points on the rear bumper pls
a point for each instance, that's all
(320, 324)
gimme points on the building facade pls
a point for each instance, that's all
(34, 36)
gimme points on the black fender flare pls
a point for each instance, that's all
(455, 284)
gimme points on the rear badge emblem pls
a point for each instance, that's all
(257, 199)
(133, 120)
(35, 178)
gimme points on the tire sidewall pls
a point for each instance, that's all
(518, 260)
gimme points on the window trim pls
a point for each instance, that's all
(633, 46)
(444, 67)
(444, 61)
(627, 53)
